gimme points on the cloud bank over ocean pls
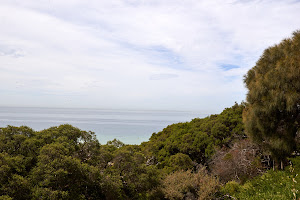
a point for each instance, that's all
(182, 55)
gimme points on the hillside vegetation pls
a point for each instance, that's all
(67, 163)
(191, 160)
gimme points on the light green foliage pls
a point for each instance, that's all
(275, 185)
(230, 187)
(5, 197)
(272, 114)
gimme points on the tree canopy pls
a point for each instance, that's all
(272, 114)
(65, 162)
(195, 141)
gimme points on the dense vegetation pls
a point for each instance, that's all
(189, 160)
(67, 163)
(183, 145)
(272, 117)
(275, 185)
(209, 158)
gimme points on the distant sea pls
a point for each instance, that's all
(129, 126)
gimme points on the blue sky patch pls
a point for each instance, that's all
(227, 67)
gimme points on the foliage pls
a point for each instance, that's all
(272, 114)
(271, 185)
(177, 162)
(135, 177)
(230, 187)
(197, 139)
(188, 185)
(5, 197)
(65, 162)
(116, 143)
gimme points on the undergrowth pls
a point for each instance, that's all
(275, 185)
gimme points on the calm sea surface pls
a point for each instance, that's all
(129, 126)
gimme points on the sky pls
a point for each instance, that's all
(136, 54)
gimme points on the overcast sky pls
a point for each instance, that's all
(136, 54)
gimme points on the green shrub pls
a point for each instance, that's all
(230, 187)
(5, 197)
(275, 185)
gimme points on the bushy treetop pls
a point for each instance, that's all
(272, 114)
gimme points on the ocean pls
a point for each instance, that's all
(129, 126)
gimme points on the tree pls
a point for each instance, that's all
(17, 157)
(138, 180)
(272, 113)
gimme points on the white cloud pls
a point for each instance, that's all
(135, 54)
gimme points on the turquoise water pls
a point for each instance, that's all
(129, 126)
